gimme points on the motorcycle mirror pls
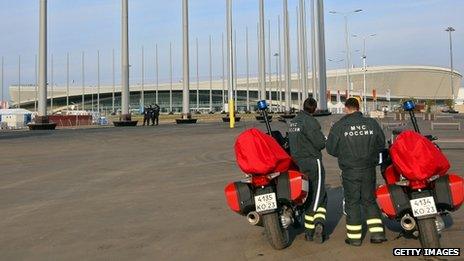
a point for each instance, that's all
(409, 105)
(262, 105)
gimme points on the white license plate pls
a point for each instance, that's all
(265, 202)
(423, 207)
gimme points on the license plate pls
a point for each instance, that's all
(265, 202)
(423, 207)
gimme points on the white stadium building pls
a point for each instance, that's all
(395, 82)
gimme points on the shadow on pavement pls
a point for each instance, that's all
(334, 213)
(334, 208)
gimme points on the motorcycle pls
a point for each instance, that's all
(418, 199)
(269, 197)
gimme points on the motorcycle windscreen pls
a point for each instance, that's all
(259, 154)
(417, 158)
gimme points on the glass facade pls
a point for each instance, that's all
(163, 101)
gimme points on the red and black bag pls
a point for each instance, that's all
(417, 158)
(259, 154)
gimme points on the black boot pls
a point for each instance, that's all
(319, 234)
(353, 242)
(309, 235)
(378, 238)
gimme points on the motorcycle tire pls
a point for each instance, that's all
(277, 236)
(428, 233)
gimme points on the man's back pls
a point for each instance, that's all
(305, 137)
(356, 141)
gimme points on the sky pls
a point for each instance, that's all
(407, 33)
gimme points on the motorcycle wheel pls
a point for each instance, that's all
(428, 233)
(277, 236)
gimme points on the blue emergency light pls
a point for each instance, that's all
(409, 105)
(262, 105)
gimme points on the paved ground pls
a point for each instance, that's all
(155, 193)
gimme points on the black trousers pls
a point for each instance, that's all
(317, 198)
(359, 191)
(146, 120)
(155, 120)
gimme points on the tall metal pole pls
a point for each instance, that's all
(314, 48)
(186, 74)
(114, 84)
(262, 52)
(35, 85)
(450, 30)
(156, 74)
(258, 48)
(52, 83)
(277, 73)
(170, 77)
(279, 62)
(235, 72)
(230, 64)
(198, 75)
(98, 82)
(247, 71)
(2, 81)
(142, 90)
(303, 53)
(210, 74)
(42, 112)
(287, 60)
(322, 79)
(364, 62)
(223, 71)
(19, 82)
(67, 81)
(83, 79)
(269, 60)
(364, 76)
(125, 114)
(347, 46)
(348, 57)
(298, 55)
(3, 76)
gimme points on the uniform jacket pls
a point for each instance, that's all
(356, 141)
(305, 137)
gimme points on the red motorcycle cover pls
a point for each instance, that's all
(259, 154)
(417, 158)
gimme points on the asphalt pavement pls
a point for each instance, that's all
(156, 193)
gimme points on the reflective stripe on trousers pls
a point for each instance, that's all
(375, 225)
(309, 222)
(354, 231)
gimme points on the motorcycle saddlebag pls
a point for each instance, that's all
(239, 197)
(292, 186)
(392, 200)
(449, 192)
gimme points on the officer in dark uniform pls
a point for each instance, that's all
(146, 116)
(357, 141)
(306, 142)
(155, 115)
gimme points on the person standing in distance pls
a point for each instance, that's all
(146, 116)
(155, 116)
(306, 142)
(357, 141)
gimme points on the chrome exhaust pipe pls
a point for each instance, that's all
(253, 218)
(440, 223)
(408, 223)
